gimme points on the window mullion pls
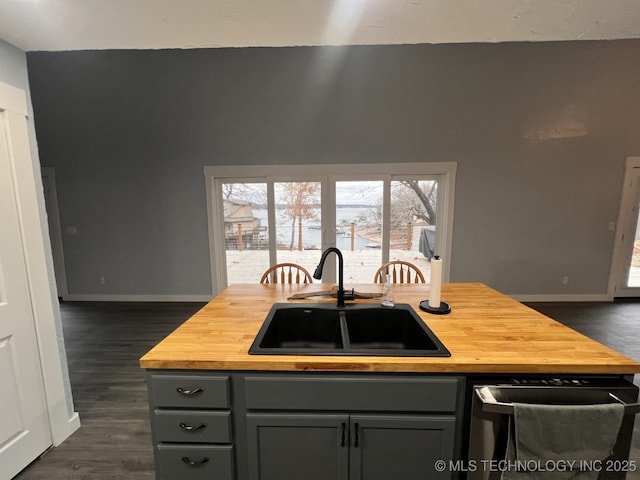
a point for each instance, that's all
(271, 221)
(386, 218)
(328, 197)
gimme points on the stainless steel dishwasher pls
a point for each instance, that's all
(492, 403)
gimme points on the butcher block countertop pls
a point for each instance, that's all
(486, 332)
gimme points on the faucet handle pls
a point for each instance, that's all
(350, 294)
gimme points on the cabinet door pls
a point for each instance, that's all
(400, 447)
(298, 446)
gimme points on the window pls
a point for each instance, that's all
(265, 214)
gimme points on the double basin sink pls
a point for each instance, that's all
(355, 329)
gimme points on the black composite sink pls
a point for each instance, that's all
(355, 329)
(308, 328)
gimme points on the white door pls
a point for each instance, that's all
(24, 424)
(626, 271)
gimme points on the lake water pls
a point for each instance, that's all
(311, 233)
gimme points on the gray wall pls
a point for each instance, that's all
(13, 66)
(128, 133)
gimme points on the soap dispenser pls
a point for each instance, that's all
(387, 293)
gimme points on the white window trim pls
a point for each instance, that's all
(627, 217)
(216, 175)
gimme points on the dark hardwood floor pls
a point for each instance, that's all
(105, 340)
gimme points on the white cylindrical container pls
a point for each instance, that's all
(435, 286)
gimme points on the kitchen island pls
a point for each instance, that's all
(486, 332)
(217, 409)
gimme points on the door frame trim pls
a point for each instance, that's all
(63, 420)
(55, 235)
(618, 260)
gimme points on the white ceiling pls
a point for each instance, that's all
(149, 24)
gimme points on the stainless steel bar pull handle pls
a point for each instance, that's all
(629, 408)
(188, 461)
(189, 392)
(491, 405)
(192, 428)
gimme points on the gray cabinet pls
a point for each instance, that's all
(300, 425)
(193, 462)
(348, 446)
(298, 446)
(401, 447)
(354, 427)
(191, 426)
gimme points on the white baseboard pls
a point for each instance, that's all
(74, 297)
(563, 298)
(74, 421)
(64, 429)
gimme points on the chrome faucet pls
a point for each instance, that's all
(318, 274)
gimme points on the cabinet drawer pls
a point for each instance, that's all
(181, 462)
(190, 391)
(313, 392)
(192, 426)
